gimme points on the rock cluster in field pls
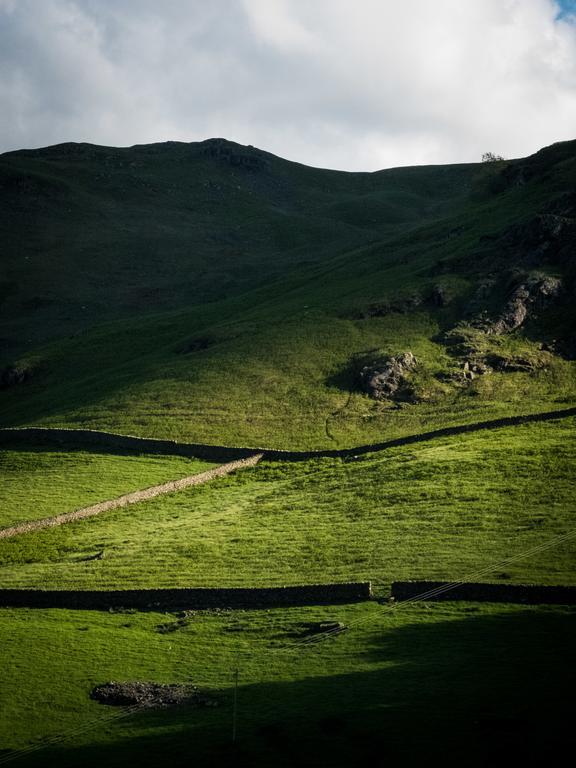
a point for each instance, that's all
(150, 695)
(386, 378)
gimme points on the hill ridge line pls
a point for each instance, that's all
(134, 497)
(87, 437)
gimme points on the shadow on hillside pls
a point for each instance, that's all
(347, 377)
(480, 691)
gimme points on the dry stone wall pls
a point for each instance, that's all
(529, 594)
(69, 439)
(132, 498)
(188, 599)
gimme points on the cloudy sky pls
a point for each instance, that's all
(349, 84)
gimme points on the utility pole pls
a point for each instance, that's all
(235, 707)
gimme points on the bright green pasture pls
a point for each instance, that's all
(399, 681)
(37, 483)
(437, 510)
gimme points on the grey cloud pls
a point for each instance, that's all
(348, 85)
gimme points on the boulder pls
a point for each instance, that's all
(386, 378)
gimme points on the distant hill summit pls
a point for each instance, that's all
(213, 291)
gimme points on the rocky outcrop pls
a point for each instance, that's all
(234, 154)
(145, 695)
(473, 368)
(386, 378)
(534, 293)
(565, 205)
(435, 297)
(513, 363)
(547, 237)
(13, 375)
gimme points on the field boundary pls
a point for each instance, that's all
(528, 594)
(131, 498)
(188, 599)
(71, 439)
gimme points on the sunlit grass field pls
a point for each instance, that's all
(434, 511)
(38, 483)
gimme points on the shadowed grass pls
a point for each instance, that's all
(388, 683)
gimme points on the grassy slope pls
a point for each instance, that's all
(37, 484)
(95, 232)
(275, 372)
(444, 681)
(436, 511)
(134, 262)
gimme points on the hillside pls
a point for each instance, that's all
(216, 293)
(213, 293)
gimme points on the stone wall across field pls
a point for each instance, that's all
(135, 497)
(78, 439)
(69, 439)
(188, 599)
(528, 594)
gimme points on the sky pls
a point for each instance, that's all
(346, 84)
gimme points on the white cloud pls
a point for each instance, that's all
(353, 85)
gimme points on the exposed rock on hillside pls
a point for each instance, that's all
(13, 375)
(513, 363)
(386, 378)
(234, 154)
(536, 292)
(545, 236)
(565, 205)
(436, 297)
(150, 695)
(473, 368)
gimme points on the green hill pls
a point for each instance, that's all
(217, 293)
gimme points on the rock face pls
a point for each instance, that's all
(546, 237)
(533, 293)
(386, 378)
